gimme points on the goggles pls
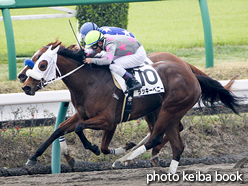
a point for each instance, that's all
(94, 47)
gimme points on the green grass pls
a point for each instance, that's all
(31, 35)
(160, 26)
(178, 24)
(170, 26)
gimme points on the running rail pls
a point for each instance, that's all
(239, 88)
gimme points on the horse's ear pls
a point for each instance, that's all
(54, 51)
(51, 52)
(50, 47)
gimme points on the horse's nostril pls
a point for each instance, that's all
(27, 90)
(22, 77)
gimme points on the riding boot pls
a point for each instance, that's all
(133, 84)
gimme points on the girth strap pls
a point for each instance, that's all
(128, 106)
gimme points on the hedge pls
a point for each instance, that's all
(115, 14)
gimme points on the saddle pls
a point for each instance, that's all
(151, 84)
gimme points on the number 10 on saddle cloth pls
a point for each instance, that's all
(148, 77)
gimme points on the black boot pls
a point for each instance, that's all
(133, 84)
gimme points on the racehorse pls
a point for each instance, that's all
(91, 92)
(155, 57)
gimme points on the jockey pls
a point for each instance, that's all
(88, 26)
(121, 52)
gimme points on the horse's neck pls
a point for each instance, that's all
(65, 66)
(84, 79)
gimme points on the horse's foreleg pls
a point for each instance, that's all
(98, 122)
(64, 148)
(142, 142)
(124, 158)
(65, 127)
(65, 151)
(107, 136)
(87, 145)
(33, 159)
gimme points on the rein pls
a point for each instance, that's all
(61, 77)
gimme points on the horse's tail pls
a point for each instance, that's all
(213, 91)
(197, 71)
(229, 84)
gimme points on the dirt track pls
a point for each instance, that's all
(136, 177)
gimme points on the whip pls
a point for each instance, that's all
(75, 35)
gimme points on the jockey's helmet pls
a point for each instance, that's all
(92, 38)
(86, 27)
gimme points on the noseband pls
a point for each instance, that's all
(41, 76)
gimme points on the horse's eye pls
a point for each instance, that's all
(43, 65)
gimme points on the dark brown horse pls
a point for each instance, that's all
(155, 57)
(92, 89)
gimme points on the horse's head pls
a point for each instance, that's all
(28, 64)
(43, 70)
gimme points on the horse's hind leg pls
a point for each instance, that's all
(151, 120)
(177, 147)
(156, 150)
(164, 121)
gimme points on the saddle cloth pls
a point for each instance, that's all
(147, 76)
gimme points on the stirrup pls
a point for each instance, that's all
(133, 88)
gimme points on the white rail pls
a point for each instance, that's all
(71, 13)
(50, 100)
(239, 88)
(40, 97)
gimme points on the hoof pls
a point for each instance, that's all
(130, 145)
(127, 162)
(31, 162)
(155, 161)
(117, 165)
(71, 163)
(96, 150)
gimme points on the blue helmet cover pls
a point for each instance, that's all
(86, 27)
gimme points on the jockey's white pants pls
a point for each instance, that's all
(120, 63)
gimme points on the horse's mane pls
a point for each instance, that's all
(55, 43)
(77, 55)
(70, 52)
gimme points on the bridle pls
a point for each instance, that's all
(45, 77)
